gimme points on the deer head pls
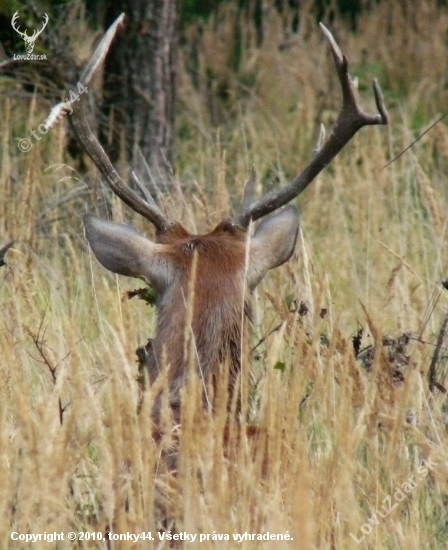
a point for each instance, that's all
(224, 266)
(29, 40)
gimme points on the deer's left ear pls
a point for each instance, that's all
(272, 244)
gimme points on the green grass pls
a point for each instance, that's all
(334, 440)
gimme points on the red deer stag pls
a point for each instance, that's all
(228, 262)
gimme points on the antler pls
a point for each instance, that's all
(147, 208)
(351, 118)
(36, 33)
(16, 28)
(25, 34)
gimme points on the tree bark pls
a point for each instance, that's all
(139, 84)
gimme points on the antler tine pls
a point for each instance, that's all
(351, 118)
(16, 27)
(320, 139)
(249, 189)
(92, 147)
(37, 32)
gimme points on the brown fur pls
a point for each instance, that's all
(218, 298)
(203, 285)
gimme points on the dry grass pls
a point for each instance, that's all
(373, 252)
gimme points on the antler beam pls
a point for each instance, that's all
(92, 147)
(351, 118)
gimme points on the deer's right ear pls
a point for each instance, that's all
(123, 250)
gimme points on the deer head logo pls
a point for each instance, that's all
(29, 40)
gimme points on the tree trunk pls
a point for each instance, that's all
(139, 84)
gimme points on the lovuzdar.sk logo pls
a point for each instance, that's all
(29, 40)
